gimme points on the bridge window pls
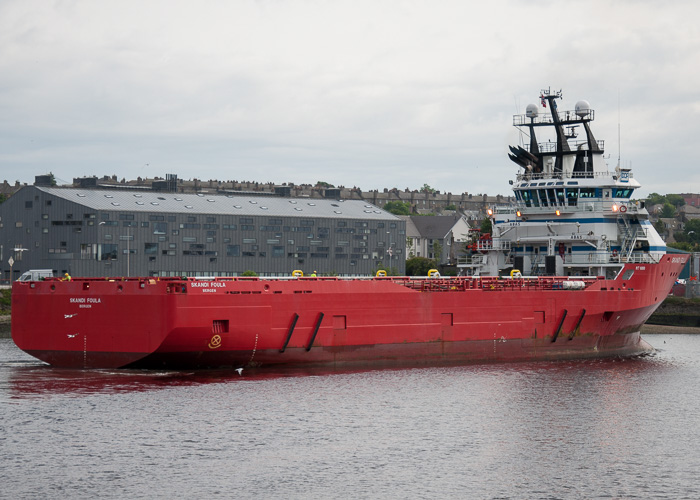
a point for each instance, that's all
(623, 193)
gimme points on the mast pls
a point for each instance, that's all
(562, 141)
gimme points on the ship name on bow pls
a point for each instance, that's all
(208, 284)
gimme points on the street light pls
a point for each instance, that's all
(11, 260)
(389, 250)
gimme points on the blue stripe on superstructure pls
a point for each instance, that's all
(584, 248)
(655, 248)
(597, 220)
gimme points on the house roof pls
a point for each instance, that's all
(151, 201)
(435, 226)
(411, 229)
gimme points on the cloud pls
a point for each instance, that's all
(375, 94)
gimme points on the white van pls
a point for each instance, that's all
(36, 275)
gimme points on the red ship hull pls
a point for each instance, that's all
(240, 322)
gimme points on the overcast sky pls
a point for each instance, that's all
(360, 93)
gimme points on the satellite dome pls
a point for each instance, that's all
(582, 108)
(531, 111)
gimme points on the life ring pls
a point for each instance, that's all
(623, 209)
(614, 253)
(515, 273)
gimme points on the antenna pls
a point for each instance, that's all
(619, 142)
(517, 112)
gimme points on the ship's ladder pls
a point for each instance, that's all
(535, 269)
(628, 238)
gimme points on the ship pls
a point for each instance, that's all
(571, 270)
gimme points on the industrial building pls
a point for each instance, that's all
(140, 232)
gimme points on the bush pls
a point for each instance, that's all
(419, 266)
(5, 300)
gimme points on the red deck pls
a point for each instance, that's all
(97, 322)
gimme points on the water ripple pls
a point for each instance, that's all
(578, 429)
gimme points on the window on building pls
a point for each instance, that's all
(107, 251)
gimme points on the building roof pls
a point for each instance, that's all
(411, 229)
(151, 201)
(689, 209)
(435, 227)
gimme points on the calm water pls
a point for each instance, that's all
(601, 429)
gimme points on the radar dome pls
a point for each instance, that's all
(582, 108)
(531, 111)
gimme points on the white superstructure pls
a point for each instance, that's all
(572, 216)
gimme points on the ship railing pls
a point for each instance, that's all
(424, 283)
(499, 283)
(565, 116)
(475, 260)
(561, 175)
(488, 245)
(582, 205)
(606, 257)
(551, 146)
(638, 258)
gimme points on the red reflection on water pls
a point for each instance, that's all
(27, 382)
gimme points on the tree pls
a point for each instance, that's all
(655, 199)
(437, 251)
(398, 207)
(692, 231)
(427, 189)
(486, 226)
(682, 245)
(419, 266)
(409, 246)
(451, 207)
(660, 227)
(249, 273)
(675, 199)
(668, 212)
(324, 184)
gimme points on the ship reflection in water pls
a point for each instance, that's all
(570, 429)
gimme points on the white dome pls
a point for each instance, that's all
(582, 108)
(531, 111)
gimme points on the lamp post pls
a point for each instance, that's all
(11, 260)
(390, 251)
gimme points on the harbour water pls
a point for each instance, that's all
(579, 429)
